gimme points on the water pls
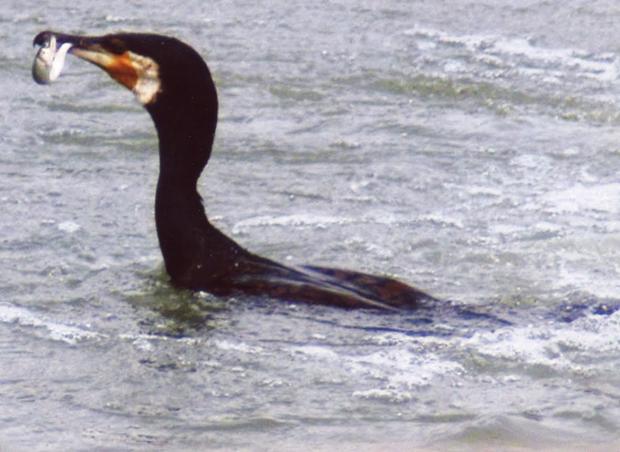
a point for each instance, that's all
(469, 148)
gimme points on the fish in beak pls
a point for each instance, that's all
(138, 73)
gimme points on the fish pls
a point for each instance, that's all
(49, 61)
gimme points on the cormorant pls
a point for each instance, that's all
(173, 83)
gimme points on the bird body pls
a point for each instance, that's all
(175, 86)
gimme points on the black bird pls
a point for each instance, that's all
(174, 84)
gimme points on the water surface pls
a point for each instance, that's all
(469, 148)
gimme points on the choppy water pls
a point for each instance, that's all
(470, 148)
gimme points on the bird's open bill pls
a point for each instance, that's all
(137, 73)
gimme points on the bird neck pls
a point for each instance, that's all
(180, 220)
(186, 130)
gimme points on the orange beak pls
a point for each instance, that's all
(138, 73)
(121, 68)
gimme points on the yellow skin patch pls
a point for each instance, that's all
(137, 73)
(123, 71)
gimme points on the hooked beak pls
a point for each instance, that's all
(138, 73)
(119, 66)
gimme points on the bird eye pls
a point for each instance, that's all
(116, 46)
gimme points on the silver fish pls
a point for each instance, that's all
(49, 61)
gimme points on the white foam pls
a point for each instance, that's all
(400, 368)
(602, 67)
(296, 220)
(69, 227)
(478, 190)
(501, 51)
(237, 347)
(553, 345)
(54, 331)
(317, 351)
(316, 221)
(116, 19)
(602, 198)
(443, 220)
(388, 395)
(397, 366)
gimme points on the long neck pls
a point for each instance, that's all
(186, 129)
